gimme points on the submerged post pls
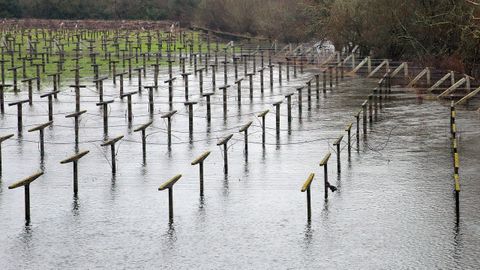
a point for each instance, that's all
(26, 184)
(19, 113)
(169, 185)
(74, 159)
(76, 116)
(142, 128)
(244, 129)
(168, 116)
(324, 164)
(2, 139)
(200, 161)
(111, 143)
(104, 105)
(224, 142)
(50, 96)
(306, 187)
(262, 115)
(41, 129)
(337, 144)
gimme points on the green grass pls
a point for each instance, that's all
(85, 61)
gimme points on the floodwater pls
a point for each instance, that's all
(394, 207)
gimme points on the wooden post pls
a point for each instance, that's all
(129, 104)
(104, 105)
(76, 116)
(26, 184)
(261, 79)
(306, 187)
(348, 129)
(337, 143)
(239, 91)
(224, 90)
(2, 97)
(190, 116)
(74, 159)
(288, 68)
(170, 91)
(77, 95)
(200, 161)
(209, 112)
(244, 129)
(142, 128)
(169, 185)
(364, 109)
(185, 79)
(309, 94)
(111, 143)
(250, 78)
(40, 129)
(214, 80)
(224, 142)
(324, 164)
(370, 108)
(15, 85)
(280, 72)
(50, 96)
(2, 139)
(324, 80)
(30, 89)
(168, 116)
(99, 83)
(200, 79)
(120, 75)
(151, 109)
(19, 113)
(277, 116)
(317, 85)
(299, 90)
(262, 115)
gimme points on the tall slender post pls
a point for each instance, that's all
(225, 97)
(337, 143)
(19, 113)
(111, 143)
(40, 129)
(244, 129)
(169, 185)
(200, 161)
(2, 139)
(74, 159)
(224, 142)
(142, 128)
(26, 184)
(168, 116)
(306, 187)
(209, 111)
(262, 115)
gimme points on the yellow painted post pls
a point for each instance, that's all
(306, 187)
(324, 164)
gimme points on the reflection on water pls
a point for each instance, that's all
(393, 209)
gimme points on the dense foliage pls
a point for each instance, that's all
(438, 32)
